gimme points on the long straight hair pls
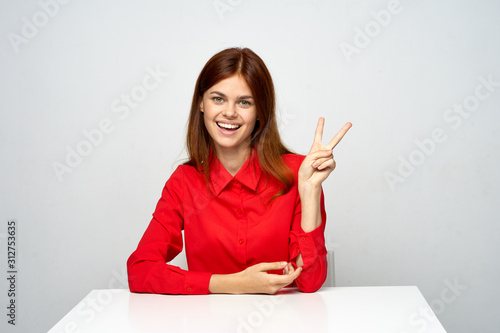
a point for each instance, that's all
(265, 135)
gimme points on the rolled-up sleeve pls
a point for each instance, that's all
(311, 245)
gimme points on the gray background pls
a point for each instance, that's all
(434, 225)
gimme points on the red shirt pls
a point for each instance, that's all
(225, 231)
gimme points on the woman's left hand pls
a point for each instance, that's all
(319, 163)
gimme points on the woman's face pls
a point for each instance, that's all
(229, 115)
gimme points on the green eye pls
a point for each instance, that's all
(246, 103)
(218, 99)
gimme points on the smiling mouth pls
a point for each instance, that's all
(229, 127)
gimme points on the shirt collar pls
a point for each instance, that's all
(248, 175)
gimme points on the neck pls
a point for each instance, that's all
(233, 160)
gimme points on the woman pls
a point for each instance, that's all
(252, 212)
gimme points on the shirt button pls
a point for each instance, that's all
(242, 241)
(302, 238)
(189, 289)
(239, 211)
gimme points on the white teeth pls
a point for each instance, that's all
(228, 126)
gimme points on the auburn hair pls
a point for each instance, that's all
(265, 136)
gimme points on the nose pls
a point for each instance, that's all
(230, 111)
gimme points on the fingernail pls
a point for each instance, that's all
(283, 263)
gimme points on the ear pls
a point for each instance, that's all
(201, 106)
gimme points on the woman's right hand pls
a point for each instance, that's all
(255, 279)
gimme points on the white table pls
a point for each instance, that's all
(335, 309)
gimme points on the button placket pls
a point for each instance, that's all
(242, 229)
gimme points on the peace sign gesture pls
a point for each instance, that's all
(319, 163)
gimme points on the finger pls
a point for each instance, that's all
(336, 139)
(295, 274)
(286, 279)
(320, 156)
(288, 269)
(320, 161)
(271, 266)
(327, 164)
(318, 135)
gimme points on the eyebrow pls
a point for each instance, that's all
(224, 95)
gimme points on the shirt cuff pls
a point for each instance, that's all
(196, 283)
(311, 245)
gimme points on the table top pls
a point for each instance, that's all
(334, 309)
